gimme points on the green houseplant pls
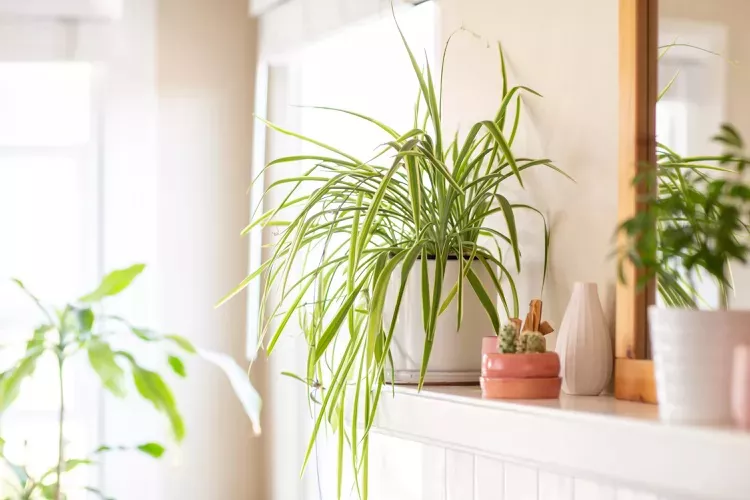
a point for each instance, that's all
(361, 228)
(81, 329)
(693, 226)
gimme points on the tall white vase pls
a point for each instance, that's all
(584, 344)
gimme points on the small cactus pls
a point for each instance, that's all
(506, 342)
(531, 342)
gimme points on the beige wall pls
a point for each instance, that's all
(567, 51)
(205, 88)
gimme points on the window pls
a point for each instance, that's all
(362, 68)
(48, 239)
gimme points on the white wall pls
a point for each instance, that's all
(410, 470)
(549, 48)
(567, 51)
(205, 86)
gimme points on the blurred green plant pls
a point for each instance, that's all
(694, 221)
(362, 226)
(80, 329)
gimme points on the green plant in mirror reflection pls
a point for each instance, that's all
(82, 330)
(694, 222)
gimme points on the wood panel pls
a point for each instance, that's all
(634, 380)
(638, 90)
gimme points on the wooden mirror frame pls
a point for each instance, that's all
(634, 374)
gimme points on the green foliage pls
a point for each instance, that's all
(75, 330)
(360, 227)
(114, 283)
(177, 366)
(153, 449)
(507, 341)
(694, 221)
(102, 360)
(531, 342)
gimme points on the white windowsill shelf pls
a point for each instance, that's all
(599, 437)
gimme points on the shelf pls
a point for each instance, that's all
(599, 437)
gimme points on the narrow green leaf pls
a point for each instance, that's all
(182, 343)
(102, 360)
(383, 126)
(503, 145)
(152, 449)
(177, 366)
(484, 298)
(336, 322)
(510, 220)
(11, 380)
(85, 319)
(114, 283)
(152, 387)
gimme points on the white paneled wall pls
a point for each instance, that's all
(408, 470)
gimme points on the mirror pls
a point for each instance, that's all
(703, 77)
(684, 71)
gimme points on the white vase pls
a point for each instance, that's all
(456, 355)
(584, 344)
(693, 353)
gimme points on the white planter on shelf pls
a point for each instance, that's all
(693, 353)
(584, 344)
(456, 355)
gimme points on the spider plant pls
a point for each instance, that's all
(693, 223)
(362, 224)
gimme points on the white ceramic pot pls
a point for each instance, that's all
(583, 343)
(456, 355)
(692, 353)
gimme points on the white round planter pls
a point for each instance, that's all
(456, 355)
(692, 353)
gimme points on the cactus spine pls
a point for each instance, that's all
(506, 342)
(531, 342)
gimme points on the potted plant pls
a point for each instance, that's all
(400, 271)
(519, 367)
(81, 330)
(693, 226)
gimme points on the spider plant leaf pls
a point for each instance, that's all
(436, 120)
(375, 318)
(510, 220)
(440, 263)
(498, 286)
(668, 86)
(484, 299)
(288, 315)
(516, 120)
(301, 137)
(503, 110)
(381, 125)
(503, 145)
(503, 70)
(336, 322)
(546, 239)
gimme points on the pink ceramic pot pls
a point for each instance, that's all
(536, 365)
(489, 345)
(520, 388)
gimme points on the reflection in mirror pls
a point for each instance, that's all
(704, 82)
